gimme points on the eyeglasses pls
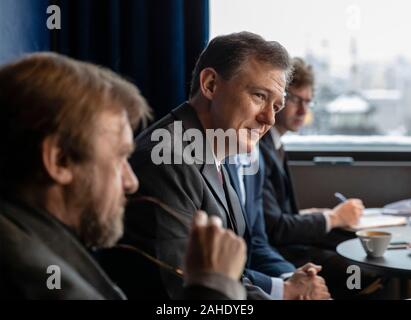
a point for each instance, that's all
(296, 99)
(164, 266)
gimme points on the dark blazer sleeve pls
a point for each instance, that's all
(265, 258)
(287, 228)
(259, 279)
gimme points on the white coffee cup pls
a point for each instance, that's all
(374, 242)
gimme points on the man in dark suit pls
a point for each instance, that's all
(66, 127)
(238, 85)
(286, 282)
(300, 236)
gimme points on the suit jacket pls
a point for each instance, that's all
(184, 187)
(264, 261)
(283, 223)
(31, 240)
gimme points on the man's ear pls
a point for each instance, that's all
(54, 161)
(208, 78)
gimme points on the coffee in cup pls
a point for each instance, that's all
(374, 242)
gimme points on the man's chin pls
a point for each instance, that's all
(113, 236)
(296, 125)
(249, 147)
(294, 128)
(103, 234)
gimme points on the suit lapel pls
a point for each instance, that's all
(211, 176)
(268, 144)
(188, 116)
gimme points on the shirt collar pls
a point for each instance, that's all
(217, 163)
(245, 159)
(275, 135)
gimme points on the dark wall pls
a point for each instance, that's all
(375, 182)
(22, 28)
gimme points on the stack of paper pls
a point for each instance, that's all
(402, 208)
(374, 218)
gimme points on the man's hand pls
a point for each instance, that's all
(346, 214)
(306, 285)
(310, 269)
(214, 249)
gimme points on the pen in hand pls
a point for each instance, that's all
(349, 211)
(340, 197)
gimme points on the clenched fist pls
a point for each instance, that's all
(305, 284)
(214, 249)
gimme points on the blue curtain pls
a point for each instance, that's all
(153, 43)
(22, 28)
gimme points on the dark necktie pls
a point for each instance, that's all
(220, 176)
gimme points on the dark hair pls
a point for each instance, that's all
(227, 53)
(47, 94)
(302, 75)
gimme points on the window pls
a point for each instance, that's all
(361, 55)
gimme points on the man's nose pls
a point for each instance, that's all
(130, 181)
(267, 116)
(303, 108)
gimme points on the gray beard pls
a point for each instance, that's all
(92, 230)
(95, 233)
